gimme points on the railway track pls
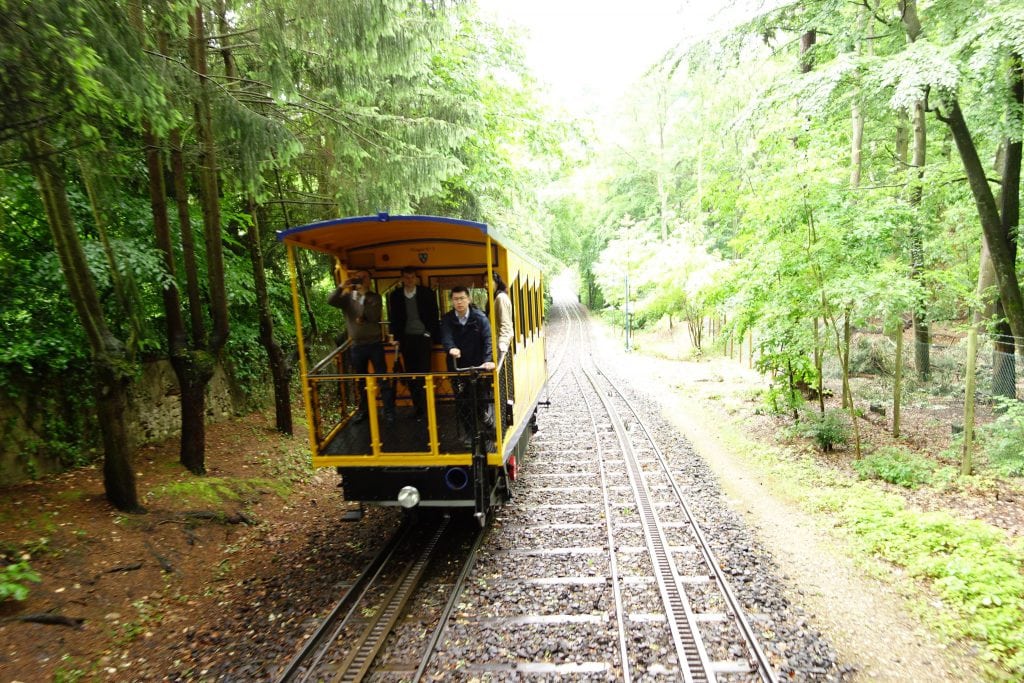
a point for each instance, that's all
(692, 586)
(756, 659)
(347, 642)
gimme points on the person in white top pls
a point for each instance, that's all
(502, 315)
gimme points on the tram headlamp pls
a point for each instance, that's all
(408, 497)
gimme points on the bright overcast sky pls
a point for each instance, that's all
(591, 50)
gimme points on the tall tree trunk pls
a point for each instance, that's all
(791, 384)
(967, 456)
(922, 333)
(843, 349)
(845, 356)
(279, 370)
(1003, 258)
(278, 364)
(818, 363)
(897, 382)
(857, 116)
(197, 318)
(1004, 370)
(807, 41)
(209, 191)
(856, 144)
(113, 373)
(194, 364)
(902, 156)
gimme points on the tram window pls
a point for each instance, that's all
(521, 298)
(478, 297)
(530, 309)
(515, 342)
(513, 295)
(539, 309)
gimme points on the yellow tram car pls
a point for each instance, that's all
(425, 462)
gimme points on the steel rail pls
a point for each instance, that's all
(446, 613)
(563, 347)
(357, 664)
(333, 622)
(614, 567)
(762, 665)
(694, 662)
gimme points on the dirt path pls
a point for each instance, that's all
(868, 622)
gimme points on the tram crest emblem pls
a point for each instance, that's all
(423, 256)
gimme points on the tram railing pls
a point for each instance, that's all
(342, 427)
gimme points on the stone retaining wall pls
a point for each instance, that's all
(154, 413)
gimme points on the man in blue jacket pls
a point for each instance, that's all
(466, 338)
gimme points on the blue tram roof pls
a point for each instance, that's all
(344, 232)
(382, 217)
(339, 234)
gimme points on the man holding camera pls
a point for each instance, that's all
(362, 309)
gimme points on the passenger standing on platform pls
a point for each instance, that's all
(412, 310)
(503, 320)
(466, 337)
(362, 309)
(502, 314)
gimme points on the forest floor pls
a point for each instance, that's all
(142, 597)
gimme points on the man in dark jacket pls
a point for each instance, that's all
(466, 337)
(412, 310)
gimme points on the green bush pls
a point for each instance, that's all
(13, 580)
(828, 429)
(897, 466)
(779, 400)
(1003, 439)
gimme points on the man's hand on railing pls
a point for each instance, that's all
(486, 367)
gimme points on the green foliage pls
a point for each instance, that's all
(14, 580)
(897, 465)
(351, 107)
(779, 400)
(148, 616)
(975, 572)
(828, 429)
(68, 673)
(1003, 438)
